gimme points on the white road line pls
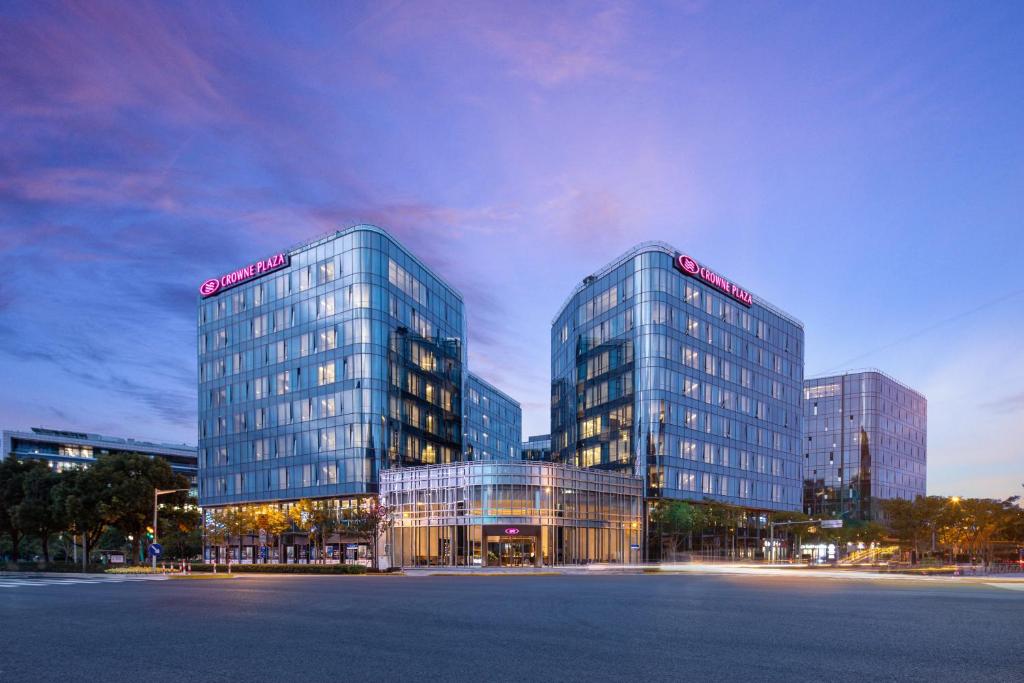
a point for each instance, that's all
(1008, 586)
(18, 582)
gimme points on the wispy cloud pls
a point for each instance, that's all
(514, 147)
(1012, 403)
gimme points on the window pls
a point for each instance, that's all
(328, 473)
(261, 387)
(327, 407)
(325, 305)
(401, 278)
(327, 440)
(259, 326)
(325, 374)
(688, 449)
(357, 296)
(325, 272)
(590, 427)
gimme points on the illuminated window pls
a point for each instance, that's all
(325, 305)
(591, 456)
(325, 271)
(325, 374)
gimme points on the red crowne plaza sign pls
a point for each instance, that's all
(249, 272)
(690, 267)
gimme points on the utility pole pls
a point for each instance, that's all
(156, 496)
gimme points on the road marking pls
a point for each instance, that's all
(21, 582)
(1008, 586)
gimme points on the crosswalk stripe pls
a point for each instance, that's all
(19, 582)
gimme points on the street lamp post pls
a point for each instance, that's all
(156, 495)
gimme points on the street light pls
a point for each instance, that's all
(156, 495)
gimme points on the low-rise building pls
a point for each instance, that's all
(511, 514)
(64, 449)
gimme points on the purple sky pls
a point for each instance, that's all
(860, 166)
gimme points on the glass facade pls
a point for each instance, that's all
(511, 514)
(689, 382)
(537, 448)
(865, 440)
(315, 377)
(65, 449)
(494, 422)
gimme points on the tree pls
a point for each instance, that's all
(217, 534)
(369, 519)
(39, 511)
(83, 494)
(676, 519)
(130, 482)
(12, 493)
(237, 522)
(301, 514)
(903, 520)
(271, 519)
(181, 530)
(326, 521)
(977, 525)
(918, 522)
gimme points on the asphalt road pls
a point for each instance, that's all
(512, 628)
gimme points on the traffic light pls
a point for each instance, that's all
(149, 533)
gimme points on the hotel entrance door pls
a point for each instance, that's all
(512, 546)
(516, 552)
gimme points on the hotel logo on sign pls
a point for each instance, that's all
(242, 275)
(688, 266)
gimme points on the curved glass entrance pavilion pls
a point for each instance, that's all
(511, 514)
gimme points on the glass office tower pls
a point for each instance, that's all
(662, 367)
(865, 440)
(494, 422)
(321, 365)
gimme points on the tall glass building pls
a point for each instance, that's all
(494, 422)
(321, 365)
(663, 367)
(865, 440)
